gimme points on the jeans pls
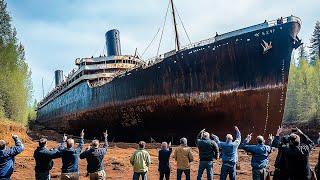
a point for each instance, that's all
(186, 172)
(136, 175)
(259, 174)
(42, 176)
(208, 166)
(164, 174)
(228, 169)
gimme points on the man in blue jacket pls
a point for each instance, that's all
(208, 151)
(70, 157)
(260, 157)
(43, 158)
(7, 157)
(229, 154)
(95, 155)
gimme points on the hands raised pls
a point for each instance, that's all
(249, 136)
(105, 134)
(271, 137)
(279, 131)
(64, 138)
(82, 134)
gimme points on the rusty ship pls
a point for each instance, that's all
(236, 78)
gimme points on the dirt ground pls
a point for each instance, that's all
(116, 160)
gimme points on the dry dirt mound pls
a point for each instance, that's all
(7, 128)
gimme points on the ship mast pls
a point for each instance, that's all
(175, 27)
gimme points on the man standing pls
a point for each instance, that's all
(184, 157)
(229, 154)
(280, 172)
(208, 151)
(260, 157)
(7, 157)
(297, 155)
(70, 157)
(95, 156)
(140, 160)
(43, 158)
(164, 157)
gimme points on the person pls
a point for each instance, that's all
(208, 151)
(94, 156)
(43, 158)
(70, 156)
(140, 160)
(280, 172)
(229, 154)
(164, 157)
(183, 157)
(260, 157)
(297, 155)
(7, 157)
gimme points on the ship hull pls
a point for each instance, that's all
(234, 81)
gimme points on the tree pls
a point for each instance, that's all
(302, 53)
(15, 75)
(315, 43)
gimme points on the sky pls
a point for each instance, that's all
(55, 33)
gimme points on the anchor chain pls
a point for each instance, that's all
(267, 113)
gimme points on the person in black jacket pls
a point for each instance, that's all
(95, 156)
(43, 158)
(208, 151)
(164, 157)
(297, 155)
(280, 172)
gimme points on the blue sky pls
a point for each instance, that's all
(55, 33)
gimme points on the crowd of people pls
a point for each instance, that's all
(292, 161)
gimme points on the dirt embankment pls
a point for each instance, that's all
(116, 161)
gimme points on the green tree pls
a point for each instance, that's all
(15, 76)
(315, 44)
(302, 53)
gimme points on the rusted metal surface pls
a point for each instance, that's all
(236, 81)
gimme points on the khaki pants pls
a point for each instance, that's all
(70, 176)
(100, 175)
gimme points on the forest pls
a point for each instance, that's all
(15, 75)
(303, 95)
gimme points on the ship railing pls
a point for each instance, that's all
(242, 31)
(154, 60)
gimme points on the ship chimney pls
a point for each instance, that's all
(58, 75)
(113, 43)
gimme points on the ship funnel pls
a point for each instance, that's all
(58, 75)
(113, 43)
